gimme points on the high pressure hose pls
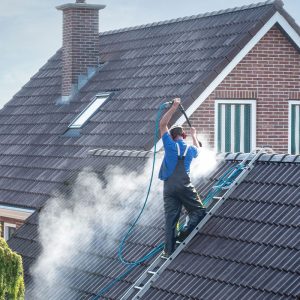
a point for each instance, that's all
(132, 264)
(128, 233)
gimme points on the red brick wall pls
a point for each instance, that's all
(269, 74)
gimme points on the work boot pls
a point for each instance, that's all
(182, 235)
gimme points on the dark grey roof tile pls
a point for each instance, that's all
(32, 249)
(163, 295)
(28, 232)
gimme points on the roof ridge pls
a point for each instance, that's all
(274, 157)
(120, 152)
(202, 15)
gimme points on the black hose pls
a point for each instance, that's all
(187, 120)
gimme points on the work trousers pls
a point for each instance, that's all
(178, 192)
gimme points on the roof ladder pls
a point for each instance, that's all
(144, 282)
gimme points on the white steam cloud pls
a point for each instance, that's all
(67, 225)
(205, 163)
(95, 209)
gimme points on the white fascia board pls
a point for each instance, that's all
(292, 33)
(276, 18)
(15, 212)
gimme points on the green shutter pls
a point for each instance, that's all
(298, 146)
(293, 127)
(247, 124)
(237, 140)
(227, 127)
(219, 135)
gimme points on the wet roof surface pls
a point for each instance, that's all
(248, 249)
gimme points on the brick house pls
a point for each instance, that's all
(266, 83)
(237, 73)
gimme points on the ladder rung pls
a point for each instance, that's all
(138, 287)
(151, 272)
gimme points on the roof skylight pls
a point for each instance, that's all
(89, 111)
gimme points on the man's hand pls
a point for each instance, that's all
(194, 137)
(193, 131)
(176, 103)
(163, 124)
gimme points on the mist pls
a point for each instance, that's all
(93, 218)
(202, 165)
(68, 225)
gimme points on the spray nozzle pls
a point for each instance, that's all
(168, 104)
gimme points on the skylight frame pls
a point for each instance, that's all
(89, 111)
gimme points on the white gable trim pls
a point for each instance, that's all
(276, 18)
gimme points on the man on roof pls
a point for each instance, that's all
(178, 190)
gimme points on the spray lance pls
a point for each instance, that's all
(170, 103)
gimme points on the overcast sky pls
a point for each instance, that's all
(31, 30)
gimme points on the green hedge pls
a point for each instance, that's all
(11, 274)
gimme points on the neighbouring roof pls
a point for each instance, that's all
(144, 66)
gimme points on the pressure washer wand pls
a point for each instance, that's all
(187, 119)
(184, 113)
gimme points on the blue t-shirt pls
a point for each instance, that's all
(171, 156)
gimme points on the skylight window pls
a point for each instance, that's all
(89, 111)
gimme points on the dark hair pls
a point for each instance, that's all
(176, 131)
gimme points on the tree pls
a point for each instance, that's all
(11, 274)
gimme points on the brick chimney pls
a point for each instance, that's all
(80, 49)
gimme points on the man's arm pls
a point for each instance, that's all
(163, 124)
(194, 137)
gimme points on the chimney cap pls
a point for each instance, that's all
(80, 4)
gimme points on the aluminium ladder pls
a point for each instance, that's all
(144, 282)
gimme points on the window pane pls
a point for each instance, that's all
(11, 231)
(88, 112)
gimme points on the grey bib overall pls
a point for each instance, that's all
(178, 192)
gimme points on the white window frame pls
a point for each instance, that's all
(291, 102)
(253, 118)
(5, 229)
(88, 112)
